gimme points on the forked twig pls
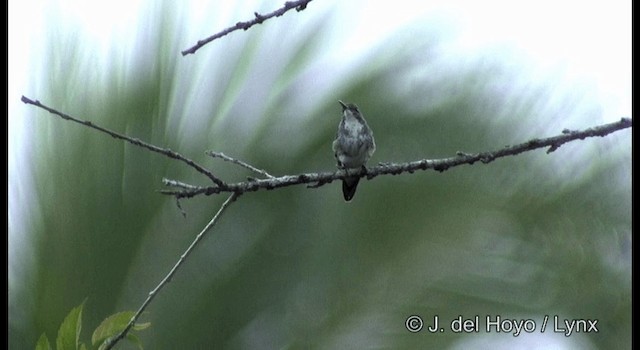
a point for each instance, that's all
(299, 5)
(239, 162)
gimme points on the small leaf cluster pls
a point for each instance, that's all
(69, 332)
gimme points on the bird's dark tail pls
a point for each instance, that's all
(349, 186)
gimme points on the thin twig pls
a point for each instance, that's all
(319, 179)
(167, 152)
(298, 5)
(239, 162)
(168, 277)
(179, 184)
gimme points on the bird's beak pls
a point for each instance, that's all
(342, 104)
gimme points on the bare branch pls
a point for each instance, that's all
(319, 179)
(299, 5)
(167, 152)
(179, 184)
(315, 180)
(112, 342)
(239, 162)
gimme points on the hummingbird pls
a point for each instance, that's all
(353, 146)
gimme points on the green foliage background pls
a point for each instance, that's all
(521, 238)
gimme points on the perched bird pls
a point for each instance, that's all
(353, 146)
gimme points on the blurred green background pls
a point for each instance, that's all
(297, 268)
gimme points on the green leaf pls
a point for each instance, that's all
(130, 336)
(111, 326)
(104, 344)
(69, 332)
(135, 340)
(141, 326)
(43, 343)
